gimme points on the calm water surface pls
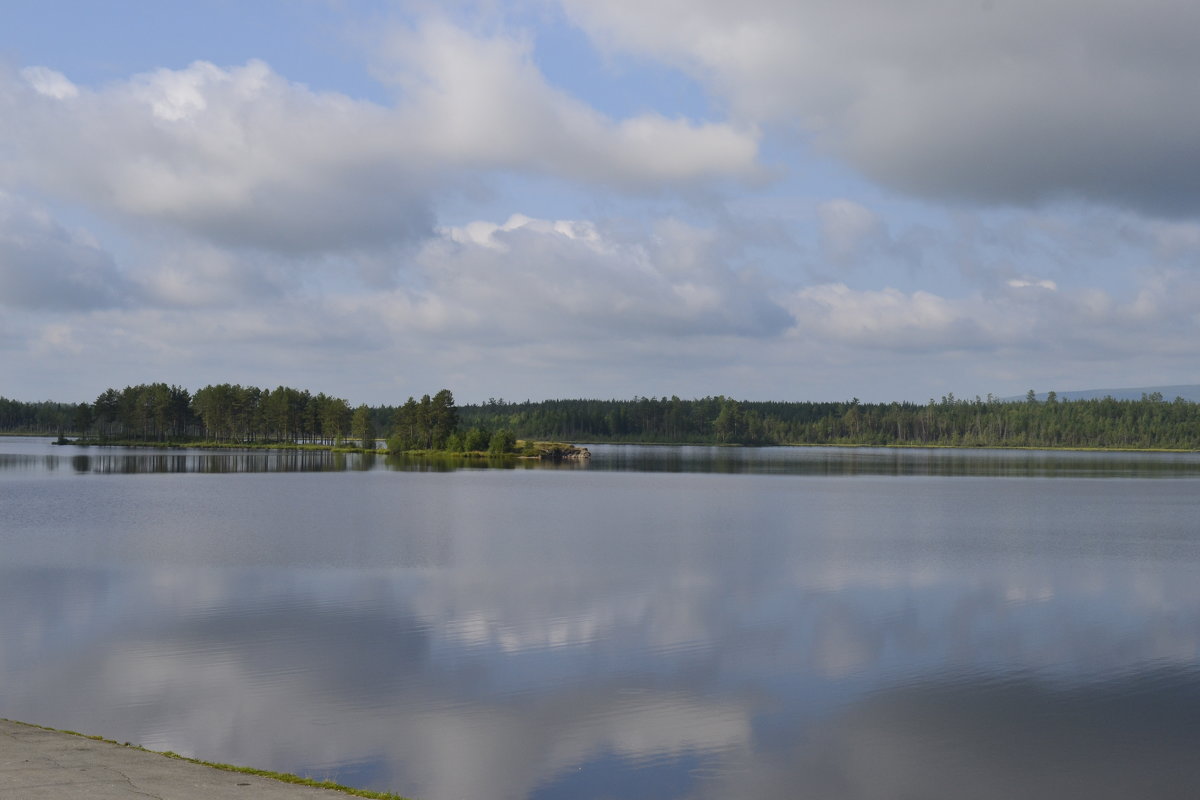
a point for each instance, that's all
(662, 623)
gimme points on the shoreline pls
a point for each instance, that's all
(542, 450)
(583, 443)
(905, 446)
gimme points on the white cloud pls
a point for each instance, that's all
(237, 156)
(531, 279)
(485, 102)
(50, 83)
(1006, 102)
(886, 318)
(241, 156)
(1033, 316)
(546, 307)
(1025, 283)
(485, 234)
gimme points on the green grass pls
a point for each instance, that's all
(283, 777)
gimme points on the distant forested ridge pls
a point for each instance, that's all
(45, 417)
(231, 413)
(1151, 422)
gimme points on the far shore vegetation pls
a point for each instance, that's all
(233, 416)
(230, 415)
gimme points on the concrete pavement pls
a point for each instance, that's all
(37, 763)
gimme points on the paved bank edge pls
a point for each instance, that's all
(40, 762)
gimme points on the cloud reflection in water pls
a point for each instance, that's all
(549, 635)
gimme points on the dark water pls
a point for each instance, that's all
(661, 623)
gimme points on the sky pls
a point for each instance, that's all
(532, 199)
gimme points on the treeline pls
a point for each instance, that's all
(1150, 422)
(44, 418)
(234, 414)
(244, 414)
(157, 412)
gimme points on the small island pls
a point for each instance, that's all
(233, 416)
(557, 451)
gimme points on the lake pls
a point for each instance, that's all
(664, 622)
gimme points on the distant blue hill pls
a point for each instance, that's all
(1187, 392)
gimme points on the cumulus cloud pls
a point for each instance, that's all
(241, 156)
(486, 101)
(237, 156)
(526, 297)
(527, 279)
(885, 318)
(1030, 315)
(1013, 102)
(523, 304)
